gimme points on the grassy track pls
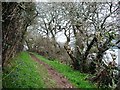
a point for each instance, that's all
(75, 77)
(23, 72)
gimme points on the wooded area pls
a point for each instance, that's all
(76, 34)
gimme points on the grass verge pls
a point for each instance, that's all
(22, 72)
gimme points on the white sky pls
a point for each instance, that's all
(60, 37)
(108, 56)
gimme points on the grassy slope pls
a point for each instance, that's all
(75, 77)
(24, 72)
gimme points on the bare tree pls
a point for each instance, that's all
(16, 18)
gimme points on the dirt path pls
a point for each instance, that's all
(61, 81)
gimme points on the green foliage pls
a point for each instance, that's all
(75, 77)
(22, 73)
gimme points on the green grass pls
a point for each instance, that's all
(75, 77)
(22, 73)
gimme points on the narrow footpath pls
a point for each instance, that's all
(60, 80)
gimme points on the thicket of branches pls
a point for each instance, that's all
(90, 27)
(16, 17)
